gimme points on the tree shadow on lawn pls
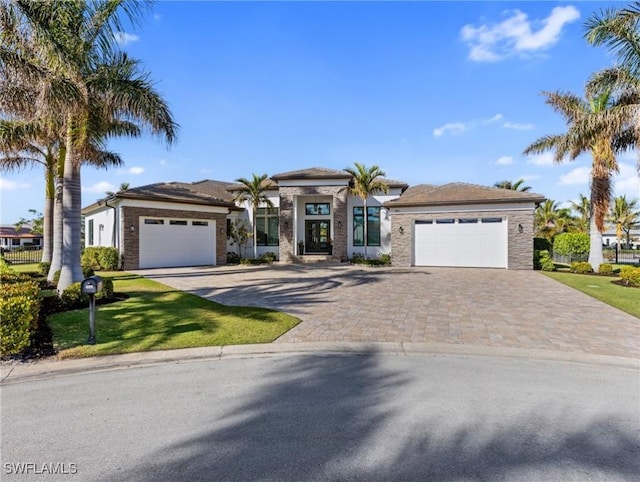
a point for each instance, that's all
(328, 417)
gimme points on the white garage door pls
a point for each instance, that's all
(166, 242)
(465, 242)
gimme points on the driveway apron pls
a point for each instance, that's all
(463, 306)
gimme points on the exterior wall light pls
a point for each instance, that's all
(286, 225)
(339, 224)
(132, 228)
(401, 230)
(520, 228)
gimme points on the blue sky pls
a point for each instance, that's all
(432, 92)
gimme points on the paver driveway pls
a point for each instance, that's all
(497, 308)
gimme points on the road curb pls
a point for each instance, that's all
(16, 372)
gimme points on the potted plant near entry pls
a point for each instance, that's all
(300, 248)
(330, 246)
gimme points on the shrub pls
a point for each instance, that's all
(268, 257)
(44, 268)
(630, 275)
(581, 267)
(542, 244)
(605, 268)
(101, 258)
(107, 290)
(19, 307)
(546, 263)
(56, 277)
(233, 258)
(72, 298)
(87, 271)
(385, 258)
(571, 244)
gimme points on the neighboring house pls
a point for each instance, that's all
(610, 238)
(12, 238)
(181, 224)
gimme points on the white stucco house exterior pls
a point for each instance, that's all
(313, 217)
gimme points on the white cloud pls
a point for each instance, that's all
(495, 118)
(163, 162)
(529, 177)
(579, 175)
(517, 127)
(504, 161)
(7, 185)
(135, 170)
(101, 187)
(545, 159)
(124, 38)
(627, 182)
(515, 34)
(452, 127)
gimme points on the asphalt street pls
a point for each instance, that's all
(334, 417)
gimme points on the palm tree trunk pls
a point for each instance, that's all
(366, 221)
(56, 253)
(47, 223)
(71, 271)
(595, 246)
(255, 233)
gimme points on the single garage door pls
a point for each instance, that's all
(465, 242)
(172, 242)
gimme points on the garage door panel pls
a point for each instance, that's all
(175, 245)
(465, 244)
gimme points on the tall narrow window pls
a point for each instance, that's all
(90, 232)
(373, 226)
(267, 224)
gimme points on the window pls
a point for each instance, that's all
(199, 223)
(424, 221)
(317, 209)
(373, 226)
(228, 227)
(491, 220)
(467, 221)
(15, 241)
(445, 221)
(267, 226)
(36, 241)
(90, 233)
(154, 221)
(177, 222)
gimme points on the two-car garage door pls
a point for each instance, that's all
(166, 242)
(464, 242)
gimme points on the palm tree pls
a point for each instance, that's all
(599, 142)
(123, 187)
(619, 30)
(366, 182)
(550, 219)
(625, 216)
(97, 90)
(254, 191)
(514, 186)
(583, 209)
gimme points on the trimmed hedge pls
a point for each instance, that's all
(72, 298)
(19, 307)
(581, 267)
(605, 269)
(567, 244)
(100, 258)
(630, 275)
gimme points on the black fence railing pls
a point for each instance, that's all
(622, 256)
(24, 255)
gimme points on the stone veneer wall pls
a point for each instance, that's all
(288, 252)
(131, 215)
(520, 245)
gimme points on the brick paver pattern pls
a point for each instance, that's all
(496, 308)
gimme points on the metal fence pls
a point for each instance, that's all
(622, 256)
(25, 255)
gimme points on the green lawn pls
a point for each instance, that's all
(156, 317)
(25, 268)
(600, 287)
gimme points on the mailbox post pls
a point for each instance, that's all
(91, 286)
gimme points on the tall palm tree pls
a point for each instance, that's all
(123, 187)
(513, 186)
(254, 191)
(625, 216)
(583, 209)
(106, 92)
(550, 219)
(619, 30)
(599, 142)
(366, 182)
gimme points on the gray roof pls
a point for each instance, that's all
(312, 173)
(460, 193)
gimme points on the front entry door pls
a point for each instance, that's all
(317, 236)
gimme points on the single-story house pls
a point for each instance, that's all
(13, 238)
(313, 216)
(610, 238)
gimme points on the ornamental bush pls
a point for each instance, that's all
(571, 244)
(581, 267)
(605, 269)
(630, 275)
(100, 258)
(19, 307)
(546, 263)
(72, 298)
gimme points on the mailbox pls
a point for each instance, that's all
(91, 285)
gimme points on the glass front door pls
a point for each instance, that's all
(317, 236)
